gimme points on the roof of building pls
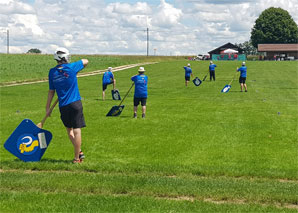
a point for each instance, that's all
(226, 46)
(277, 47)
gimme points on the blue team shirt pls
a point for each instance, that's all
(107, 77)
(188, 71)
(212, 67)
(242, 71)
(140, 86)
(63, 79)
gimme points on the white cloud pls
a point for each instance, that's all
(94, 26)
(167, 15)
(14, 7)
(125, 8)
(29, 22)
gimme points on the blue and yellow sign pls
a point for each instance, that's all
(28, 142)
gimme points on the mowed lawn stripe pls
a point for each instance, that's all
(270, 192)
(69, 202)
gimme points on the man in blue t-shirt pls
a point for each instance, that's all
(63, 81)
(188, 73)
(212, 71)
(242, 77)
(141, 92)
(107, 78)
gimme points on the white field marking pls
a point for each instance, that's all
(97, 72)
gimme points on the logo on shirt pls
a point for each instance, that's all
(63, 72)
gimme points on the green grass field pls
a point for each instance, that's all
(198, 150)
(30, 67)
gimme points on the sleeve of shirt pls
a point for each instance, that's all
(51, 85)
(112, 75)
(77, 66)
(133, 78)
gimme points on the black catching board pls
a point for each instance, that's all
(115, 111)
(197, 81)
(116, 95)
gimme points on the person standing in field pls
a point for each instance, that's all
(141, 93)
(188, 73)
(242, 78)
(63, 81)
(107, 78)
(212, 71)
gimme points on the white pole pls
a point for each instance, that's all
(7, 41)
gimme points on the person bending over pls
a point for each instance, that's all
(107, 78)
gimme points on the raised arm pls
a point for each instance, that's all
(85, 62)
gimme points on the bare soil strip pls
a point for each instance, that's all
(237, 202)
(183, 198)
(96, 72)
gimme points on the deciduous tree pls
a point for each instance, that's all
(35, 50)
(274, 26)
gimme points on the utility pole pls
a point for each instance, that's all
(7, 41)
(147, 41)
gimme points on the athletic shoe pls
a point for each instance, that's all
(135, 115)
(143, 115)
(76, 161)
(81, 156)
(245, 90)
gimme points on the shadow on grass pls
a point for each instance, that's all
(236, 91)
(46, 160)
(120, 116)
(125, 116)
(107, 100)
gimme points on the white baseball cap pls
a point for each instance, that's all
(110, 68)
(188, 65)
(211, 62)
(243, 63)
(141, 69)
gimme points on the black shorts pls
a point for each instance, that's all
(242, 80)
(72, 115)
(187, 78)
(104, 86)
(136, 101)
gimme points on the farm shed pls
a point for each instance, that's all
(227, 51)
(279, 51)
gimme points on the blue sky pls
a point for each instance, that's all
(176, 27)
